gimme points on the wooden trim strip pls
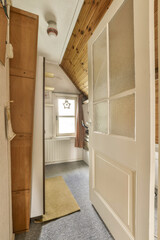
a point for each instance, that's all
(22, 12)
(44, 135)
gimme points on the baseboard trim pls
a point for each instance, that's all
(35, 218)
(63, 161)
(13, 236)
(86, 161)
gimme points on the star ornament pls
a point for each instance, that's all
(66, 104)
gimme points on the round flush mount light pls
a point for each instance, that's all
(52, 29)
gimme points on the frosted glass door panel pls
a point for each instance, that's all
(122, 116)
(100, 67)
(121, 50)
(101, 117)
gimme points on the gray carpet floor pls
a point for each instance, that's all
(83, 225)
(156, 218)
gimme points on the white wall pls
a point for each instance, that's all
(5, 164)
(60, 82)
(64, 150)
(37, 152)
(86, 156)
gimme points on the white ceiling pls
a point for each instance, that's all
(65, 12)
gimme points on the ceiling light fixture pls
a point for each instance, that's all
(52, 29)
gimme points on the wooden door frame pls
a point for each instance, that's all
(44, 61)
(158, 209)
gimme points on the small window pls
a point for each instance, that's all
(66, 116)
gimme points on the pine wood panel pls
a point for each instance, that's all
(3, 34)
(21, 152)
(75, 60)
(21, 219)
(24, 43)
(22, 94)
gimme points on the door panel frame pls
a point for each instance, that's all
(145, 127)
(44, 135)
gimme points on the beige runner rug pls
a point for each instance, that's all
(59, 200)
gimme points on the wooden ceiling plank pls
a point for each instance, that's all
(82, 60)
(84, 89)
(99, 7)
(93, 22)
(84, 78)
(78, 58)
(87, 10)
(85, 85)
(70, 78)
(86, 37)
(79, 67)
(84, 82)
(81, 72)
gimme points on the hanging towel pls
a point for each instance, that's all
(79, 141)
(9, 132)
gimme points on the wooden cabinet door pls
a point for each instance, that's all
(22, 93)
(21, 162)
(23, 36)
(21, 210)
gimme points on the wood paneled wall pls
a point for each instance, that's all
(75, 60)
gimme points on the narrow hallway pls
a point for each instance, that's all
(83, 225)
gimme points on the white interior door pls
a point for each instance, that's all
(121, 96)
